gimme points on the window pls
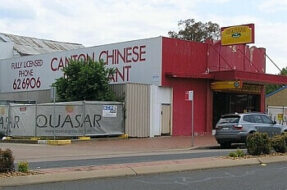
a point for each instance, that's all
(266, 119)
(229, 119)
(258, 119)
(249, 118)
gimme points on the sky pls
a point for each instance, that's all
(97, 22)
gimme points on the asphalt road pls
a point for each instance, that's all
(128, 159)
(256, 177)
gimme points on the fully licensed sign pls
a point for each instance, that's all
(129, 59)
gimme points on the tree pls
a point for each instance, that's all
(196, 31)
(273, 87)
(84, 80)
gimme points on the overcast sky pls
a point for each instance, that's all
(96, 22)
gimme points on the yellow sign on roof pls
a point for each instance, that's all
(242, 34)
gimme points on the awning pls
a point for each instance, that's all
(230, 75)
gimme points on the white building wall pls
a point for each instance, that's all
(159, 96)
(39, 96)
(6, 50)
(137, 61)
(278, 114)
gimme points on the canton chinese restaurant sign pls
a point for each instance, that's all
(129, 59)
(241, 34)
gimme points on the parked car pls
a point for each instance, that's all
(234, 128)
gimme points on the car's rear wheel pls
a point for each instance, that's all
(225, 144)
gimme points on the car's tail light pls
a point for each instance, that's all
(218, 127)
(237, 127)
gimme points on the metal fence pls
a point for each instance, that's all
(86, 118)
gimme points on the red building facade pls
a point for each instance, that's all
(207, 69)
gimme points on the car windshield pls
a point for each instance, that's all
(229, 119)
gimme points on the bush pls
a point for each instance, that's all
(240, 153)
(23, 167)
(285, 137)
(258, 143)
(237, 154)
(232, 154)
(6, 161)
(279, 144)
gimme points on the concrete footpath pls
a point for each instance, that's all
(104, 148)
(126, 147)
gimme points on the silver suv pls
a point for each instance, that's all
(234, 128)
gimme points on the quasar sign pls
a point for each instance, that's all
(241, 34)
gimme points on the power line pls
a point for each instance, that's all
(273, 63)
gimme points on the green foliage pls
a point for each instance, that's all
(273, 87)
(283, 71)
(240, 153)
(279, 144)
(285, 137)
(258, 143)
(232, 154)
(6, 161)
(237, 154)
(23, 167)
(85, 80)
(196, 31)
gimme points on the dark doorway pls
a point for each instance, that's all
(224, 103)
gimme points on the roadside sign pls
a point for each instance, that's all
(241, 34)
(280, 116)
(189, 95)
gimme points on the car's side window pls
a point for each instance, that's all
(266, 119)
(248, 118)
(257, 119)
